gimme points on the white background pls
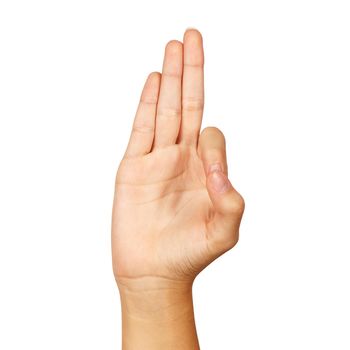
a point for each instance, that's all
(277, 83)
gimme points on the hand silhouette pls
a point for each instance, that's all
(174, 210)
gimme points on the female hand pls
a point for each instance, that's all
(174, 210)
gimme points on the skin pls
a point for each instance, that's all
(175, 211)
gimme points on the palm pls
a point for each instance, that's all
(169, 217)
(162, 200)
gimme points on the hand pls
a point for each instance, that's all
(174, 210)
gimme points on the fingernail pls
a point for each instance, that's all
(215, 167)
(219, 181)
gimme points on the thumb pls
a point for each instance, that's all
(228, 204)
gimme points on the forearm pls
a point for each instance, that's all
(157, 317)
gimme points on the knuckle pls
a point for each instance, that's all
(169, 113)
(192, 104)
(238, 205)
(148, 101)
(232, 240)
(142, 129)
(226, 242)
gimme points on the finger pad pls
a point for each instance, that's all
(193, 47)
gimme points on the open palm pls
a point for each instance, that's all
(174, 209)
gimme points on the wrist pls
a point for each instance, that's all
(157, 314)
(155, 298)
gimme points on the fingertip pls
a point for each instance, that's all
(193, 48)
(173, 59)
(154, 78)
(173, 47)
(212, 139)
(212, 131)
(212, 150)
(193, 34)
(151, 88)
(154, 75)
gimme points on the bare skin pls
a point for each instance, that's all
(175, 211)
